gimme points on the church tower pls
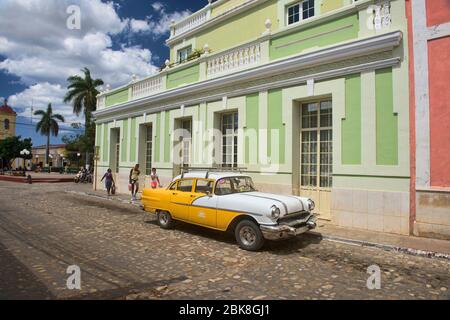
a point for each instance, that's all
(7, 121)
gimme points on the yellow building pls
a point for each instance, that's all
(7, 121)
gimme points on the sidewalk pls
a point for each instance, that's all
(432, 248)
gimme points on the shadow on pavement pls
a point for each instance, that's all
(17, 282)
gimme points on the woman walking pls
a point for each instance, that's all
(155, 179)
(109, 181)
(134, 181)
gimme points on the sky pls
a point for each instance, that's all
(116, 39)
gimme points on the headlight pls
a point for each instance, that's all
(311, 205)
(275, 212)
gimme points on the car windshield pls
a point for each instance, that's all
(234, 185)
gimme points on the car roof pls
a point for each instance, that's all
(209, 175)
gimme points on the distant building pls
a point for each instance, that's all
(57, 155)
(7, 121)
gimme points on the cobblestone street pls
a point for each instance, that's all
(123, 254)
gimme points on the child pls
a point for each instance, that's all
(155, 179)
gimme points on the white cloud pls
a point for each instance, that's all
(139, 25)
(43, 52)
(157, 6)
(159, 24)
(40, 95)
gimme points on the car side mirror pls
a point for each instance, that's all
(209, 194)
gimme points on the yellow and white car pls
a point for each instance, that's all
(228, 201)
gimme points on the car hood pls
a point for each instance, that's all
(261, 203)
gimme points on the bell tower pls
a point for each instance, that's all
(7, 121)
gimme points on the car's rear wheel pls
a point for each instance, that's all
(249, 236)
(165, 220)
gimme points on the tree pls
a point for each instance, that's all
(10, 149)
(75, 143)
(48, 125)
(82, 93)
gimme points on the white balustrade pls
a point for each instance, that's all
(101, 102)
(145, 88)
(240, 58)
(190, 23)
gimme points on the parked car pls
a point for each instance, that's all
(228, 201)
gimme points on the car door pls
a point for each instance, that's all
(203, 209)
(180, 199)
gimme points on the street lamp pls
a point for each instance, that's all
(24, 153)
(78, 160)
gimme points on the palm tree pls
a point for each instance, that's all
(48, 125)
(82, 93)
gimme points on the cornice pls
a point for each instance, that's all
(357, 48)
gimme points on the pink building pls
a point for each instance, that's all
(429, 51)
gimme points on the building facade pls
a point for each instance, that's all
(7, 121)
(57, 156)
(429, 38)
(310, 97)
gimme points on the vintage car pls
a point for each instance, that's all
(228, 201)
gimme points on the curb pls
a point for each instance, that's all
(386, 247)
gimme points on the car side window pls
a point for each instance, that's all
(185, 185)
(173, 186)
(223, 187)
(204, 186)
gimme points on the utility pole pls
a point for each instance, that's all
(31, 118)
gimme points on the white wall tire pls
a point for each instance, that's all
(249, 236)
(165, 220)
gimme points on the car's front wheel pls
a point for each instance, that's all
(249, 236)
(165, 220)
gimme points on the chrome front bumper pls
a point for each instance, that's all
(285, 231)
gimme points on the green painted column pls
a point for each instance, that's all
(133, 141)
(124, 144)
(252, 116)
(386, 119)
(158, 138)
(105, 157)
(275, 122)
(167, 140)
(351, 125)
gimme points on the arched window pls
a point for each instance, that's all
(6, 124)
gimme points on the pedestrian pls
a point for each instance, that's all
(109, 181)
(134, 181)
(155, 179)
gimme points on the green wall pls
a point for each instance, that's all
(133, 140)
(275, 121)
(124, 142)
(252, 119)
(105, 142)
(117, 97)
(167, 140)
(327, 33)
(351, 125)
(158, 138)
(242, 28)
(184, 76)
(387, 121)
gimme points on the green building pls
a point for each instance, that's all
(311, 97)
